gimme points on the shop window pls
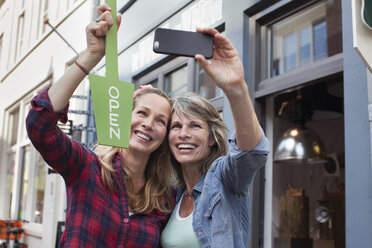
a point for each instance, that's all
(176, 82)
(182, 75)
(303, 38)
(205, 85)
(320, 40)
(298, 45)
(154, 83)
(305, 45)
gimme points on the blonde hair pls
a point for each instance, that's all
(194, 105)
(157, 191)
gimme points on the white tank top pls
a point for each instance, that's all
(179, 231)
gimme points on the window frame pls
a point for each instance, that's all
(258, 17)
(259, 23)
(17, 149)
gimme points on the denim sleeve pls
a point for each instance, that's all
(236, 170)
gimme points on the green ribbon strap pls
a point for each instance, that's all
(112, 99)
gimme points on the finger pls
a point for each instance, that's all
(106, 16)
(102, 8)
(98, 29)
(210, 31)
(118, 20)
(222, 42)
(203, 62)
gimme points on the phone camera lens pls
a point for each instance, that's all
(156, 44)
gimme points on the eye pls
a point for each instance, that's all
(161, 121)
(141, 112)
(175, 126)
(195, 125)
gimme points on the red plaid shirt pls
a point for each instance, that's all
(96, 217)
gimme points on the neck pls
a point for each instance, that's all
(191, 175)
(137, 165)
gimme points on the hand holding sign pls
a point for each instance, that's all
(112, 98)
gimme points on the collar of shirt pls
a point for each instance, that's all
(197, 190)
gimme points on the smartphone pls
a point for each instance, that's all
(182, 43)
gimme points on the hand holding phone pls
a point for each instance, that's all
(183, 43)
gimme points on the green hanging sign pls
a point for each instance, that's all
(367, 13)
(112, 99)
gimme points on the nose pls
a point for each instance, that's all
(147, 123)
(184, 132)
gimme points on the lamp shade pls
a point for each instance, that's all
(300, 145)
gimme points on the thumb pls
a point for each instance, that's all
(203, 62)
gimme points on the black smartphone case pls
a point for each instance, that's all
(182, 43)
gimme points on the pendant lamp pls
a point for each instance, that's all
(299, 144)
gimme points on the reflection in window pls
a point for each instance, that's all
(305, 37)
(13, 127)
(205, 85)
(320, 40)
(38, 192)
(10, 180)
(176, 82)
(305, 45)
(290, 52)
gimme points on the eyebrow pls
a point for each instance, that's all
(161, 115)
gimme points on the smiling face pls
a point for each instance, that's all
(150, 117)
(189, 139)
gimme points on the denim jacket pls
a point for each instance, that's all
(221, 197)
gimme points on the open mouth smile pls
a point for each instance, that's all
(143, 136)
(186, 146)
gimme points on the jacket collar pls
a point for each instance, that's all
(198, 189)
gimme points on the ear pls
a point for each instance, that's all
(211, 141)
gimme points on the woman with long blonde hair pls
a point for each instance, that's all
(115, 197)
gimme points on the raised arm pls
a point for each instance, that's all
(227, 72)
(61, 92)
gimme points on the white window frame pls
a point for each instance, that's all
(294, 25)
(22, 141)
(20, 35)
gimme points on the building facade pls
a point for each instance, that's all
(302, 71)
(32, 57)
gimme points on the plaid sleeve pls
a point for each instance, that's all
(64, 155)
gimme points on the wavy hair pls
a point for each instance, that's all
(194, 105)
(157, 191)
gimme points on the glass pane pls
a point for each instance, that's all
(305, 45)
(27, 108)
(38, 191)
(320, 40)
(176, 82)
(13, 127)
(10, 180)
(290, 52)
(25, 163)
(304, 37)
(154, 83)
(205, 86)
